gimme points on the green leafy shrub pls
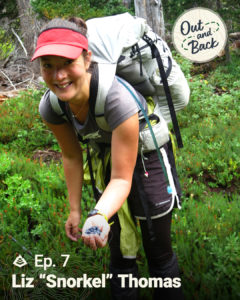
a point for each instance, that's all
(8, 9)
(33, 213)
(6, 45)
(210, 130)
(6, 163)
(207, 236)
(84, 9)
(22, 129)
(208, 156)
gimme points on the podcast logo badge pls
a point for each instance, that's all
(199, 34)
(20, 261)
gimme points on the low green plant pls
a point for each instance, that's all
(207, 237)
(6, 163)
(33, 213)
(18, 193)
(208, 157)
(205, 233)
(210, 130)
(22, 129)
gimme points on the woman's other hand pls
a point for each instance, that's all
(95, 232)
(71, 226)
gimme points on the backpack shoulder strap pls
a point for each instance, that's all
(104, 78)
(57, 106)
(156, 54)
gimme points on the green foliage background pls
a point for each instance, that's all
(6, 45)
(205, 233)
(84, 8)
(229, 10)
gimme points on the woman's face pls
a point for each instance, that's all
(68, 79)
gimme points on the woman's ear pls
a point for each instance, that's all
(88, 59)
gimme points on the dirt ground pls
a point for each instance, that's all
(47, 156)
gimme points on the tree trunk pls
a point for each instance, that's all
(28, 31)
(228, 24)
(126, 3)
(218, 4)
(152, 11)
(227, 49)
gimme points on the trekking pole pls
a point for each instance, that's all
(23, 248)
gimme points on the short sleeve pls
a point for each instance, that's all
(120, 105)
(46, 111)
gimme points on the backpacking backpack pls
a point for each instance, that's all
(126, 46)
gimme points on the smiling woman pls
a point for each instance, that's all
(73, 79)
(68, 79)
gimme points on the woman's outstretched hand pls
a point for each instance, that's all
(95, 232)
(71, 226)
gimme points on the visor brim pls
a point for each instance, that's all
(67, 51)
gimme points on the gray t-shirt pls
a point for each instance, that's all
(119, 106)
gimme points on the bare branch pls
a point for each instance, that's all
(5, 75)
(21, 43)
(31, 80)
(27, 80)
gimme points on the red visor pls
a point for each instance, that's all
(60, 42)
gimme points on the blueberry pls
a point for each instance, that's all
(93, 230)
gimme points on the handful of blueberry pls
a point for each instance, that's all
(93, 230)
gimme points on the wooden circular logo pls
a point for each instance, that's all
(199, 34)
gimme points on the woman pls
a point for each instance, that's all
(66, 67)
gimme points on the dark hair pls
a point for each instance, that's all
(83, 27)
(74, 23)
(80, 23)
